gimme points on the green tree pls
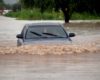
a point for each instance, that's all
(27, 3)
(1, 6)
(1, 3)
(91, 6)
(67, 6)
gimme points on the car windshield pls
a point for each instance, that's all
(45, 31)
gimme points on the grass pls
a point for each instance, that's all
(84, 16)
(36, 15)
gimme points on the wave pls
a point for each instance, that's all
(51, 49)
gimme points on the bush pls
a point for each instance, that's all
(84, 16)
(35, 14)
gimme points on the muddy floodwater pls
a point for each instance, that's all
(78, 61)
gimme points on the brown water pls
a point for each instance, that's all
(50, 67)
(50, 49)
(78, 61)
(87, 39)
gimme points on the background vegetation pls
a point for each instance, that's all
(56, 9)
(1, 3)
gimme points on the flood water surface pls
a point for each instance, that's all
(50, 67)
(77, 61)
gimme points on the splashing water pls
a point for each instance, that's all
(50, 49)
(86, 41)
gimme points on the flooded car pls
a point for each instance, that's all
(44, 33)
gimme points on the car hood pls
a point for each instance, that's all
(47, 41)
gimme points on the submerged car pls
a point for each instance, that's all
(43, 33)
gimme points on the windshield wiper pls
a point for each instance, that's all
(57, 36)
(50, 34)
(36, 33)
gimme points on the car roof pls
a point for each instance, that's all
(43, 23)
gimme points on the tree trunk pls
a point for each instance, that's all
(66, 15)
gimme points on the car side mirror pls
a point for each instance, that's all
(71, 34)
(19, 36)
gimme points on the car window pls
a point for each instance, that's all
(45, 31)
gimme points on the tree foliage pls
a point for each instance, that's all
(67, 6)
(1, 3)
(91, 6)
